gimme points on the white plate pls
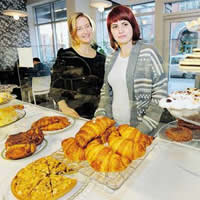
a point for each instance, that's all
(71, 120)
(81, 184)
(38, 149)
(20, 115)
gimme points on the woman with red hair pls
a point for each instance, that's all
(134, 79)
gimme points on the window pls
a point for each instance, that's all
(52, 30)
(183, 5)
(145, 17)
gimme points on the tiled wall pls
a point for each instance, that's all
(13, 33)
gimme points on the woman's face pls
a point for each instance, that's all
(84, 30)
(122, 32)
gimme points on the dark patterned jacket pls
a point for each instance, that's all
(79, 80)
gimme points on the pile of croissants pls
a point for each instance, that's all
(106, 147)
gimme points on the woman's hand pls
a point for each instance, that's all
(67, 110)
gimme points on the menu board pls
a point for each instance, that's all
(25, 57)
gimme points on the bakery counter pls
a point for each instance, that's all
(169, 171)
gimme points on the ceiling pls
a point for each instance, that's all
(130, 2)
(122, 2)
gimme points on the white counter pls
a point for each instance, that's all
(169, 171)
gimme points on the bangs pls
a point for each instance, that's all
(114, 17)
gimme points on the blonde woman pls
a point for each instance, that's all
(79, 70)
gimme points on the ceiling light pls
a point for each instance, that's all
(100, 4)
(16, 14)
(16, 17)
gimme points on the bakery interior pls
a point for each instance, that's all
(165, 167)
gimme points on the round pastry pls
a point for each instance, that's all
(179, 134)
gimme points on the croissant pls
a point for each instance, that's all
(72, 151)
(125, 147)
(93, 129)
(107, 133)
(134, 134)
(103, 159)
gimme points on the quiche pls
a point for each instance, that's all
(42, 180)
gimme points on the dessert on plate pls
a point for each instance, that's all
(182, 103)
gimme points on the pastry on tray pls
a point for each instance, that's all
(23, 144)
(42, 180)
(106, 148)
(179, 134)
(51, 123)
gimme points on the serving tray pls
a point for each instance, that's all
(112, 180)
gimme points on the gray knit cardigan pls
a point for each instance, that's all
(146, 83)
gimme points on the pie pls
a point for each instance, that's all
(43, 180)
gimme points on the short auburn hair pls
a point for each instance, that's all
(122, 13)
(72, 26)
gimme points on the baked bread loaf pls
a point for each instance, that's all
(179, 134)
(51, 123)
(134, 134)
(103, 159)
(72, 150)
(93, 129)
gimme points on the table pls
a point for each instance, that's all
(168, 172)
